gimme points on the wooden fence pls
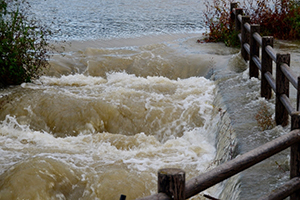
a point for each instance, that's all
(171, 182)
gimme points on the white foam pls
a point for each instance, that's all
(92, 152)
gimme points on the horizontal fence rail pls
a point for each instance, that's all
(171, 182)
(284, 191)
(220, 173)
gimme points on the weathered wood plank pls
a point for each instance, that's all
(254, 52)
(266, 66)
(287, 104)
(295, 154)
(270, 51)
(257, 38)
(282, 87)
(240, 163)
(284, 191)
(245, 38)
(233, 6)
(257, 62)
(289, 74)
(298, 92)
(238, 12)
(159, 196)
(247, 48)
(204, 181)
(171, 181)
(269, 77)
(247, 26)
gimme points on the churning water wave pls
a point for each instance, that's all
(127, 98)
(96, 138)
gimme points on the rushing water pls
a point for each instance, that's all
(133, 92)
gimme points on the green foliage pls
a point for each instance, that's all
(24, 45)
(278, 18)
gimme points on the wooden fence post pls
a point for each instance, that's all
(238, 11)
(232, 14)
(282, 87)
(295, 149)
(295, 152)
(245, 37)
(254, 51)
(266, 66)
(171, 181)
(298, 93)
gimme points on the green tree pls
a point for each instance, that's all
(24, 45)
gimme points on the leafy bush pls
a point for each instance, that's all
(278, 18)
(24, 43)
(217, 19)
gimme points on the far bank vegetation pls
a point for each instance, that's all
(277, 18)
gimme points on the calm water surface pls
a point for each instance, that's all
(83, 20)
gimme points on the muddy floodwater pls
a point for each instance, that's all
(131, 93)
